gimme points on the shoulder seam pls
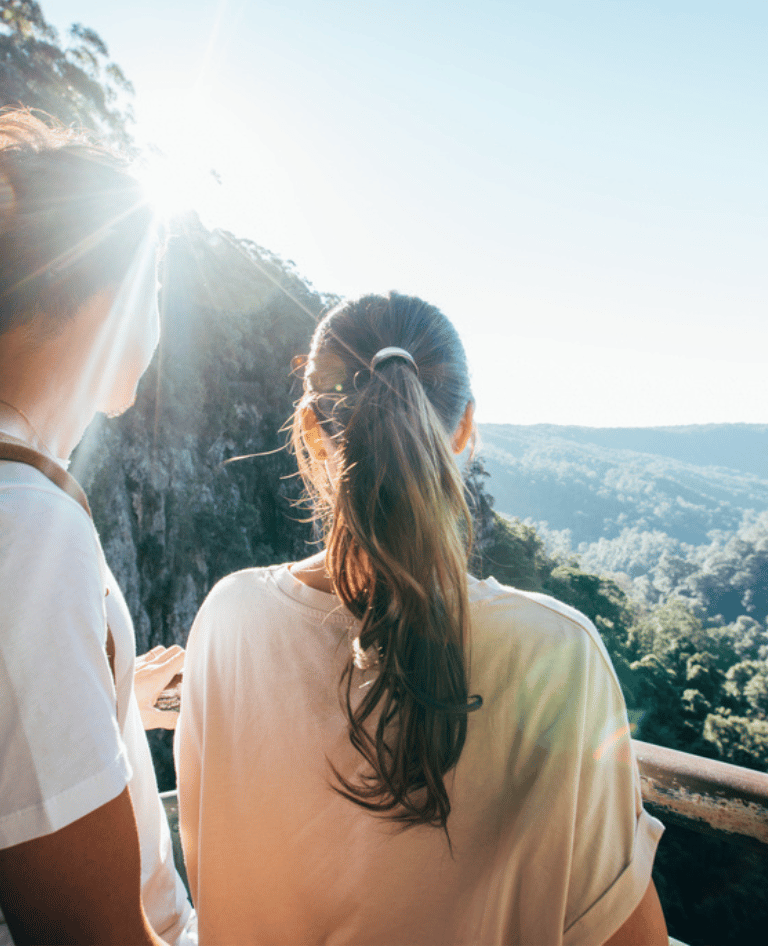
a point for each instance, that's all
(589, 628)
(586, 625)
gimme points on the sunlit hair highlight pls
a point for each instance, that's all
(72, 219)
(397, 538)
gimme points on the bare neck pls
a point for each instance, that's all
(312, 572)
(48, 382)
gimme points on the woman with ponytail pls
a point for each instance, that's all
(375, 747)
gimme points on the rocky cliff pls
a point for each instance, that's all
(172, 515)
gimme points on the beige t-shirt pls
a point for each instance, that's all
(550, 841)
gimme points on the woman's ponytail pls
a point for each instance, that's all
(397, 539)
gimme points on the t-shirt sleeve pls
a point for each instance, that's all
(614, 838)
(61, 751)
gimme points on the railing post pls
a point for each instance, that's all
(170, 802)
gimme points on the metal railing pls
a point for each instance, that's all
(704, 795)
(679, 788)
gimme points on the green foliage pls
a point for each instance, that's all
(75, 82)
(730, 577)
(740, 740)
(513, 553)
(695, 692)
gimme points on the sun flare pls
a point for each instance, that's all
(180, 168)
(175, 182)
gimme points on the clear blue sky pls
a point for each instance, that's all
(580, 185)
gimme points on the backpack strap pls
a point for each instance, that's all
(11, 448)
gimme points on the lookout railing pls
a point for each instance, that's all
(716, 798)
(698, 794)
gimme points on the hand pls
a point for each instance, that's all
(154, 671)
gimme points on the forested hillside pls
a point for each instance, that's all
(733, 446)
(593, 484)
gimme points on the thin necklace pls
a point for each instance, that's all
(29, 424)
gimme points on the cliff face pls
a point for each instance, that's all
(173, 519)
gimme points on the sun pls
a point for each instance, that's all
(243, 167)
(179, 165)
(175, 182)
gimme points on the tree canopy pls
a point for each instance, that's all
(74, 81)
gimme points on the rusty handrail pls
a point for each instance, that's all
(704, 794)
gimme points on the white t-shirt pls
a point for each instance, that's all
(550, 841)
(68, 742)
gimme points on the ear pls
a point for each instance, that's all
(313, 435)
(465, 430)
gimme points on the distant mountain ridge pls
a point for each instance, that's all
(742, 447)
(597, 482)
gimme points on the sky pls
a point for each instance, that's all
(581, 186)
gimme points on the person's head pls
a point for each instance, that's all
(376, 435)
(76, 234)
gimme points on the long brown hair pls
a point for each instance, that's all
(397, 538)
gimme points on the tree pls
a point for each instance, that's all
(74, 82)
(738, 739)
(511, 552)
